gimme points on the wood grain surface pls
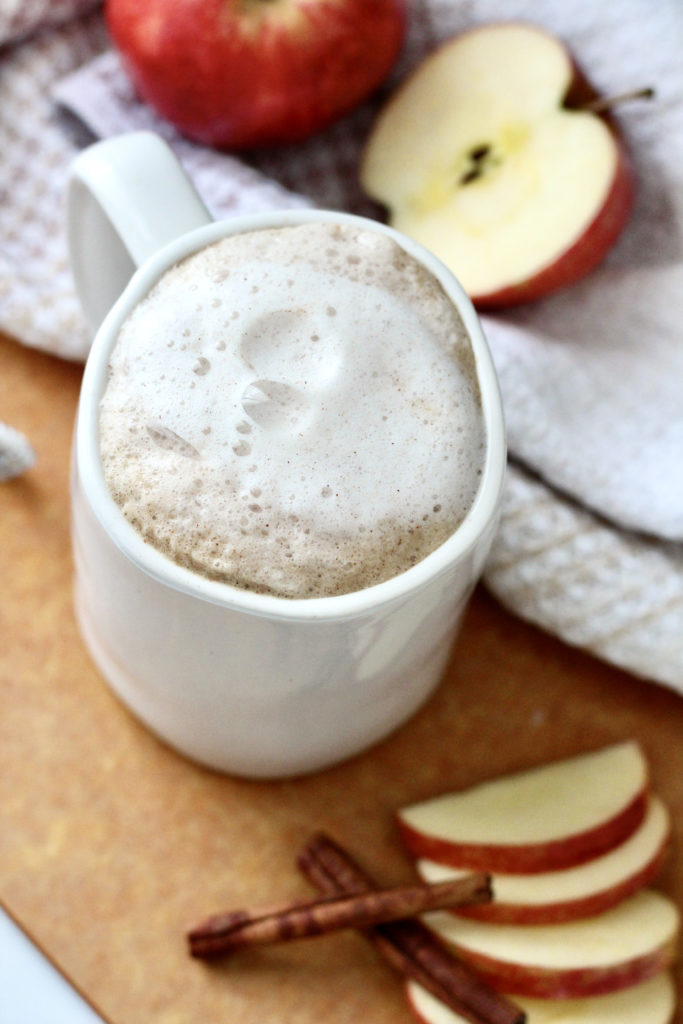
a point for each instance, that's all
(111, 844)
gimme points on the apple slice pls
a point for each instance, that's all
(627, 944)
(555, 816)
(650, 1002)
(582, 891)
(477, 157)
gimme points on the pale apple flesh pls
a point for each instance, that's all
(650, 1002)
(583, 891)
(552, 817)
(605, 953)
(515, 193)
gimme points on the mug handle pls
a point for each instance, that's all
(127, 197)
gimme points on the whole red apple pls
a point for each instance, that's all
(245, 73)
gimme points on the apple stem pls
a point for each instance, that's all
(607, 102)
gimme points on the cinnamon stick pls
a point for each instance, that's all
(408, 945)
(223, 933)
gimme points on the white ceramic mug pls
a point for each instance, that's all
(246, 683)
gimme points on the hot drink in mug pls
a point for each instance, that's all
(294, 411)
(288, 463)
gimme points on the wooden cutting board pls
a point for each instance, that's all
(110, 844)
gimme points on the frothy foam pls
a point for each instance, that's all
(294, 411)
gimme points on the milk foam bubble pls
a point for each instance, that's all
(294, 411)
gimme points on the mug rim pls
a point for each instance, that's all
(481, 514)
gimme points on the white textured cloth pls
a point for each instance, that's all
(37, 301)
(590, 545)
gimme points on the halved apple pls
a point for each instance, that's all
(588, 889)
(552, 817)
(625, 945)
(650, 1002)
(478, 157)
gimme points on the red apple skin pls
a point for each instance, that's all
(546, 983)
(565, 852)
(571, 910)
(236, 75)
(581, 258)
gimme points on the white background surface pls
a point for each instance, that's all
(33, 991)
